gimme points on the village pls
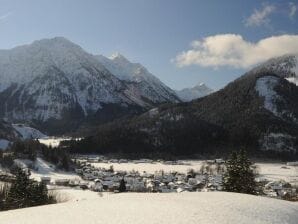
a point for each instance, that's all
(208, 178)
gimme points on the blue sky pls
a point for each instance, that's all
(156, 32)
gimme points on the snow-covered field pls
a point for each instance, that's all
(278, 171)
(151, 167)
(199, 207)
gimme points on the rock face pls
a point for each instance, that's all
(55, 85)
(258, 111)
(198, 91)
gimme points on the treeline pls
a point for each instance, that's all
(26, 149)
(151, 138)
(58, 156)
(24, 192)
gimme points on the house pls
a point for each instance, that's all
(107, 184)
(180, 189)
(84, 185)
(45, 180)
(62, 182)
(96, 185)
(137, 186)
(219, 161)
(74, 182)
(123, 161)
(292, 163)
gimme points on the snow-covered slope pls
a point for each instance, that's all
(198, 91)
(201, 207)
(265, 88)
(55, 79)
(139, 78)
(27, 132)
(43, 168)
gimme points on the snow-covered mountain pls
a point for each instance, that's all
(54, 82)
(198, 91)
(138, 78)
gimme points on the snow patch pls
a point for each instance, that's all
(153, 112)
(293, 80)
(265, 88)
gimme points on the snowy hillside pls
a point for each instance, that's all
(208, 207)
(28, 132)
(198, 91)
(146, 84)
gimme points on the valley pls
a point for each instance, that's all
(141, 112)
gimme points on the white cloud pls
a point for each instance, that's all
(293, 10)
(260, 17)
(4, 16)
(232, 50)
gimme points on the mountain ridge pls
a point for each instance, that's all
(55, 85)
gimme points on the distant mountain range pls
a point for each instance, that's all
(258, 111)
(198, 91)
(56, 86)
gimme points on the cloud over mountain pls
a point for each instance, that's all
(234, 51)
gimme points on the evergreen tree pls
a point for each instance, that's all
(122, 187)
(65, 162)
(240, 176)
(25, 192)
